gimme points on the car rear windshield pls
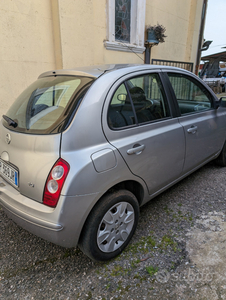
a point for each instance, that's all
(48, 105)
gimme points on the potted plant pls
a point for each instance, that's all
(156, 34)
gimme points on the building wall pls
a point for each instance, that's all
(82, 28)
(82, 36)
(182, 22)
(41, 35)
(26, 46)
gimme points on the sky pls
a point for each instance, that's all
(215, 26)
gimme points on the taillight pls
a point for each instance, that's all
(55, 182)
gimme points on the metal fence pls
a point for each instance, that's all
(179, 64)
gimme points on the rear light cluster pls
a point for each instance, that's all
(55, 182)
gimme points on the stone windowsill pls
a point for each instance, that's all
(117, 46)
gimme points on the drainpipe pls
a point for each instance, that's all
(147, 57)
(201, 32)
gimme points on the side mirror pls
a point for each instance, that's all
(222, 102)
(217, 104)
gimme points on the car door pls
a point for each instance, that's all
(203, 124)
(139, 123)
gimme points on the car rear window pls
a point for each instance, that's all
(47, 105)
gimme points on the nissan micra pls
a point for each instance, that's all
(81, 150)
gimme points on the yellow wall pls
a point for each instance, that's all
(41, 35)
(82, 28)
(182, 21)
(26, 46)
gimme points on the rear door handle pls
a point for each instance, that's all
(193, 129)
(137, 149)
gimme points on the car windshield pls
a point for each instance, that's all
(47, 105)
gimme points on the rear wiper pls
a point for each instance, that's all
(10, 121)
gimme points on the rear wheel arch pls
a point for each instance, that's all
(110, 225)
(131, 186)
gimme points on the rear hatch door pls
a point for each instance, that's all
(27, 160)
(30, 131)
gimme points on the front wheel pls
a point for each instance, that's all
(110, 226)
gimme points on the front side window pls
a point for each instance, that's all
(190, 94)
(45, 106)
(139, 100)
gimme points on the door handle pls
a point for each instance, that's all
(192, 129)
(137, 149)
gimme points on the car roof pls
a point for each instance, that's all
(97, 71)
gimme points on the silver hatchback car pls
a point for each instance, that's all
(82, 150)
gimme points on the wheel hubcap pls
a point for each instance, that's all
(115, 227)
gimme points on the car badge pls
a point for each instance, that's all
(8, 138)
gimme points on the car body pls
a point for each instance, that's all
(81, 150)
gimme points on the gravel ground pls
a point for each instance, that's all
(163, 261)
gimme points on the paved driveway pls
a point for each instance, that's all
(178, 252)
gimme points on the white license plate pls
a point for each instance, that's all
(9, 173)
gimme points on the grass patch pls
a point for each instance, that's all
(137, 276)
(151, 270)
(89, 296)
(118, 271)
(167, 241)
(145, 245)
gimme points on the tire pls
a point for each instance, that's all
(221, 159)
(110, 226)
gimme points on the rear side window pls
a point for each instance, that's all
(191, 96)
(45, 106)
(139, 100)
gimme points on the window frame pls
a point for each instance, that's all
(137, 28)
(137, 124)
(198, 83)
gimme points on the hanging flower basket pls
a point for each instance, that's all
(156, 34)
(152, 37)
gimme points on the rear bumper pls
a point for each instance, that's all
(61, 225)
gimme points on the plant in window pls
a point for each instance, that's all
(156, 33)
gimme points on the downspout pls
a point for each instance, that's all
(201, 32)
(147, 56)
